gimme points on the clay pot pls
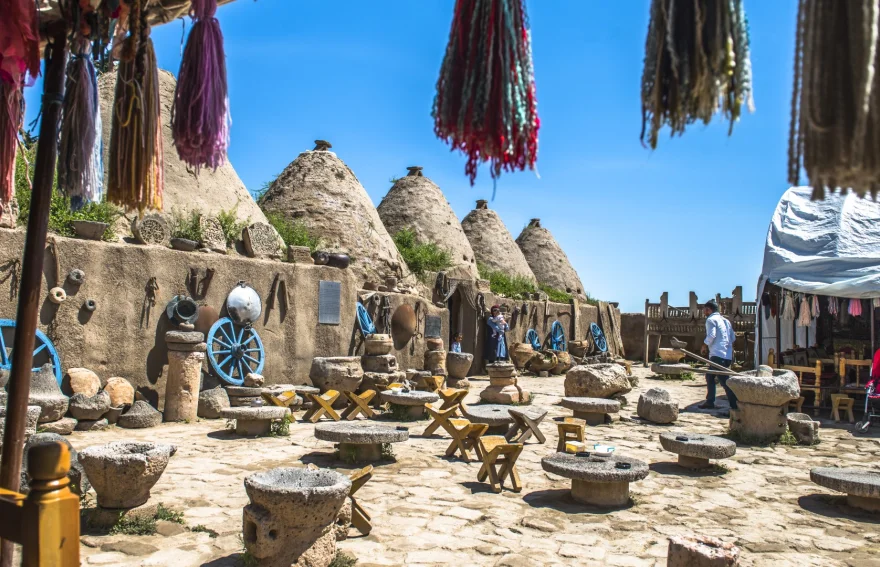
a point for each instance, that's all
(90, 230)
(207, 317)
(321, 258)
(544, 361)
(434, 343)
(378, 344)
(340, 261)
(458, 364)
(563, 363)
(521, 354)
(578, 348)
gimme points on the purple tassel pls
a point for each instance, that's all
(200, 114)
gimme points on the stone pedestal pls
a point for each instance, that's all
(360, 442)
(757, 423)
(603, 494)
(360, 453)
(435, 362)
(862, 486)
(695, 449)
(863, 502)
(693, 463)
(503, 388)
(186, 354)
(254, 421)
(592, 418)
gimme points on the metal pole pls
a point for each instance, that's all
(32, 269)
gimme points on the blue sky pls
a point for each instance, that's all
(691, 215)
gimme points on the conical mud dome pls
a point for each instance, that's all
(318, 189)
(492, 243)
(210, 192)
(415, 202)
(547, 260)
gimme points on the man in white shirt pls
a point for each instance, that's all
(719, 346)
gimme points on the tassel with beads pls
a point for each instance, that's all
(485, 104)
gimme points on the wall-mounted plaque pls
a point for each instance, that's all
(328, 302)
(433, 325)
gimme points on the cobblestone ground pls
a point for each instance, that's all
(429, 510)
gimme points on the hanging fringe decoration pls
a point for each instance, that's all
(855, 307)
(485, 104)
(696, 61)
(833, 306)
(136, 166)
(80, 159)
(200, 114)
(835, 120)
(11, 113)
(816, 311)
(804, 317)
(788, 310)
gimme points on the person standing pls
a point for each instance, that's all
(719, 346)
(496, 342)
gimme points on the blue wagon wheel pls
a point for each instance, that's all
(234, 351)
(44, 350)
(598, 337)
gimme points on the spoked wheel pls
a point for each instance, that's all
(234, 351)
(44, 350)
(862, 426)
(598, 338)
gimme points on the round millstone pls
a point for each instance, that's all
(593, 468)
(360, 433)
(412, 398)
(697, 446)
(862, 486)
(490, 414)
(591, 405)
(255, 413)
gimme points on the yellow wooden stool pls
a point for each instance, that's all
(465, 437)
(322, 404)
(360, 519)
(841, 402)
(572, 429)
(358, 403)
(499, 462)
(441, 419)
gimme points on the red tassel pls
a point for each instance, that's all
(11, 112)
(19, 41)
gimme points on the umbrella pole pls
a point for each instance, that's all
(32, 269)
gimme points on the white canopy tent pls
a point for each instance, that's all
(829, 247)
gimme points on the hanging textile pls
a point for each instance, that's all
(832, 306)
(788, 311)
(80, 154)
(200, 113)
(696, 62)
(855, 307)
(805, 316)
(136, 169)
(816, 311)
(485, 104)
(364, 321)
(834, 121)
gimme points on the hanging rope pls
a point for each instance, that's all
(696, 62)
(200, 113)
(835, 124)
(136, 165)
(364, 321)
(485, 104)
(80, 154)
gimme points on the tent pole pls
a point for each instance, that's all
(32, 269)
(873, 323)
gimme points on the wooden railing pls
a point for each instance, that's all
(46, 521)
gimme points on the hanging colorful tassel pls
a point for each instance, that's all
(855, 307)
(200, 114)
(136, 176)
(80, 159)
(485, 104)
(805, 316)
(11, 112)
(788, 310)
(816, 312)
(832, 306)
(696, 61)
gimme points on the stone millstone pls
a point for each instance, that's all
(254, 421)
(594, 468)
(857, 482)
(123, 472)
(45, 393)
(140, 416)
(83, 407)
(412, 398)
(596, 381)
(656, 405)
(697, 446)
(493, 244)
(701, 551)
(593, 405)
(357, 433)
(547, 259)
(490, 414)
(81, 381)
(243, 391)
(121, 392)
(671, 369)
(775, 390)
(212, 402)
(79, 482)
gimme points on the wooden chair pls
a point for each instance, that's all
(854, 387)
(465, 437)
(321, 404)
(810, 380)
(841, 402)
(360, 519)
(797, 405)
(451, 397)
(571, 429)
(46, 521)
(358, 403)
(499, 462)
(431, 383)
(525, 424)
(440, 417)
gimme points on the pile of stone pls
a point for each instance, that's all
(762, 399)
(657, 406)
(607, 381)
(378, 365)
(503, 387)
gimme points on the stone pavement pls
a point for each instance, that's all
(428, 510)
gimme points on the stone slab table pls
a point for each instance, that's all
(671, 369)
(362, 440)
(591, 410)
(598, 481)
(694, 450)
(254, 421)
(862, 486)
(496, 416)
(414, 401)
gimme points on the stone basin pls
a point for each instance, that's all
(363, 441)
(496, 416)
(670, 355)
(591, 410)
(694, 449)
(123, 472)
(804, 429)
(414, 400)
(291, 515)
(458, 364)
(597, 480)
(862, 486)
(254, 421)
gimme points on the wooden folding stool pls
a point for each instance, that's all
(321, 404)
(451, 397)
(441, 419)
(499, 462)
(525, 424)
(465, 436)
(359, 403)
(360, 519)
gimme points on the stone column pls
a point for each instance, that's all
(186, 353)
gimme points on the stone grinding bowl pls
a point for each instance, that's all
(311, 498)
(123, 472)
(670, 355)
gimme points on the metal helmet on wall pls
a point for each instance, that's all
(243, 304)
